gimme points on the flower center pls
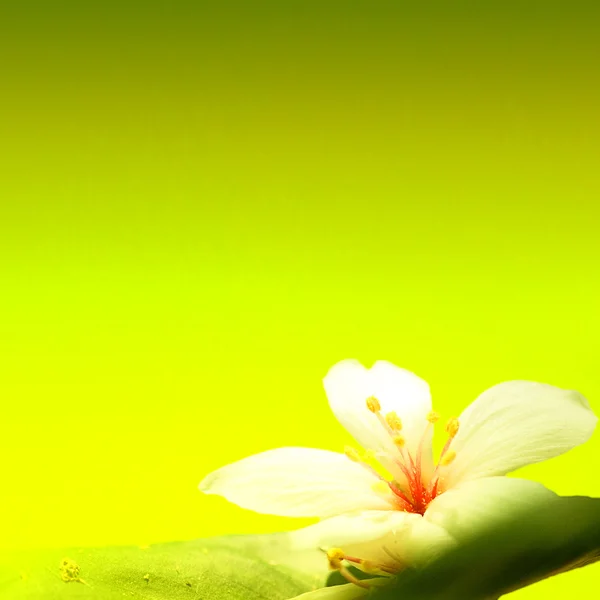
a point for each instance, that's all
(417, 488)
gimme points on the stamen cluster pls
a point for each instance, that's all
(339, 561)
(413, 497)
(419, 489)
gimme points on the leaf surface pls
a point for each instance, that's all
(229, 568)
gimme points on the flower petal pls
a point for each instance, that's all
(517, 423)
(336, 592)
(348, 384)
(297, 482)
(390, 538)
(465, 510)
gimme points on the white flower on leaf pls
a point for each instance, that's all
(390, 505)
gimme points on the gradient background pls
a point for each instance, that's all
(204, 207)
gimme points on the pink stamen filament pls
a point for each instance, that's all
(413, 476)
(423, 492)
(434, 477)
(381, 567)
(402, 499)
(420, 494)
(410, 477)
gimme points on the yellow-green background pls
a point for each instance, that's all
(203, 207)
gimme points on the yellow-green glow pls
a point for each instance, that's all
(203, 210)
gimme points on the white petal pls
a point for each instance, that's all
(297, 482)
(517, 423)
(348, 385)
(336, 592)
(465, 510)
(378, 536)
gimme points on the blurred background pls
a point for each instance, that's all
(203, 206)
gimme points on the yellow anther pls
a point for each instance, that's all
(394, 421)
(335, 556)
(352, 454)
(433, 417)
(399, 441)
(452, 427)
(373, 404)
(381, 487)
(448, 458)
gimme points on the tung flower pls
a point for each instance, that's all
(390, 505)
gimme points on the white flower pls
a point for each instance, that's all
(392, 506)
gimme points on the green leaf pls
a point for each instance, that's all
(557, 536)
(229, 568)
